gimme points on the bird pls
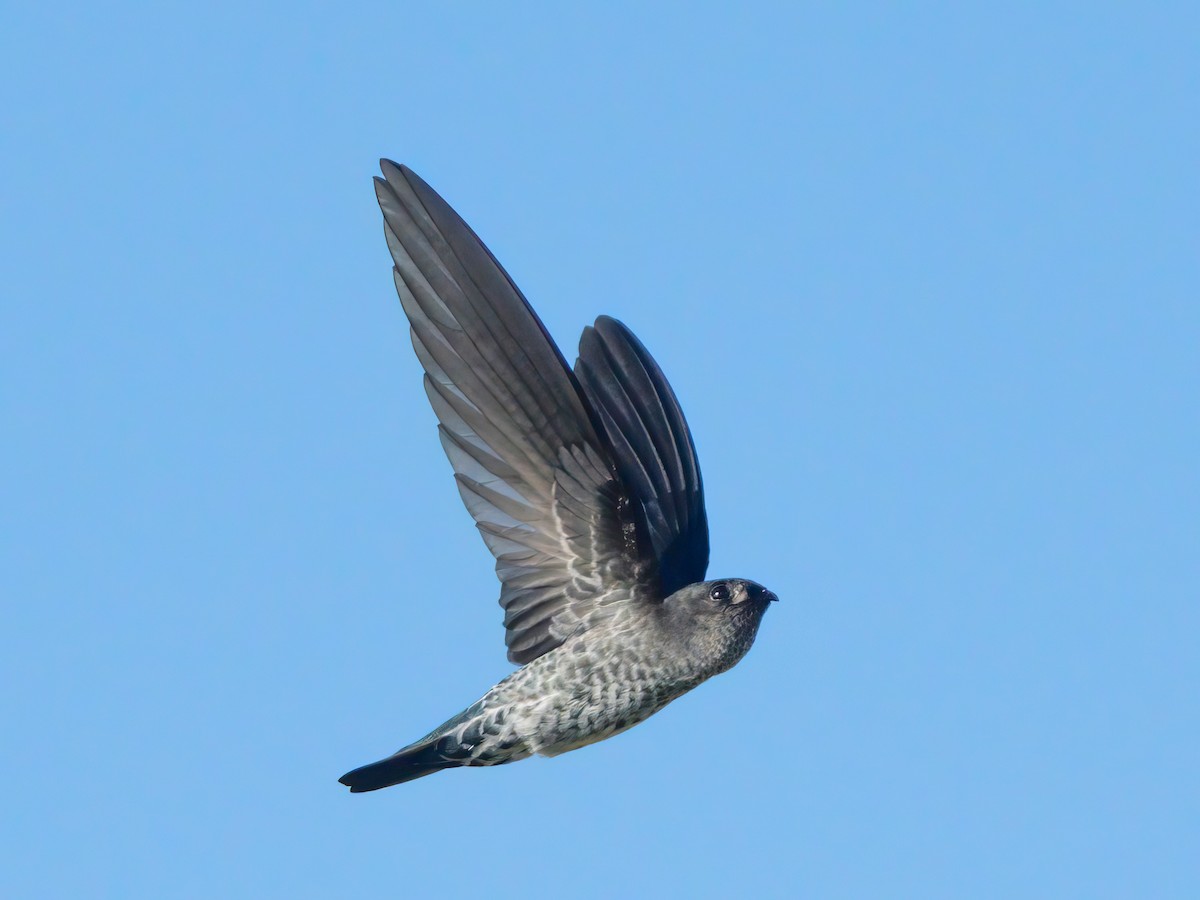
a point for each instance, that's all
(585, 486)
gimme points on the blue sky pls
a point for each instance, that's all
(926, 283)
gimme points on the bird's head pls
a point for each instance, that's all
(723, 597)
(718, 620)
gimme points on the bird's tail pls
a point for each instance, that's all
(414, 761)
(451, 744)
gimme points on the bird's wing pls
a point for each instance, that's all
(533, 466)
(651, 445)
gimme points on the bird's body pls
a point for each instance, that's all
(585, 487)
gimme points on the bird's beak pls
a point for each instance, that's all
(761, 593)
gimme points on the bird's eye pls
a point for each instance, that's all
(720, 593)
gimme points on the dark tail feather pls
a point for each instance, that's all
(408, 764)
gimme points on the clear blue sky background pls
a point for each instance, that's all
(926, 282)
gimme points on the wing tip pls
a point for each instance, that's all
(395, 173)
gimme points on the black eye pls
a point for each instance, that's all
(720, 593)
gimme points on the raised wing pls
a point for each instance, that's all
(651, 444)
(532, 465)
